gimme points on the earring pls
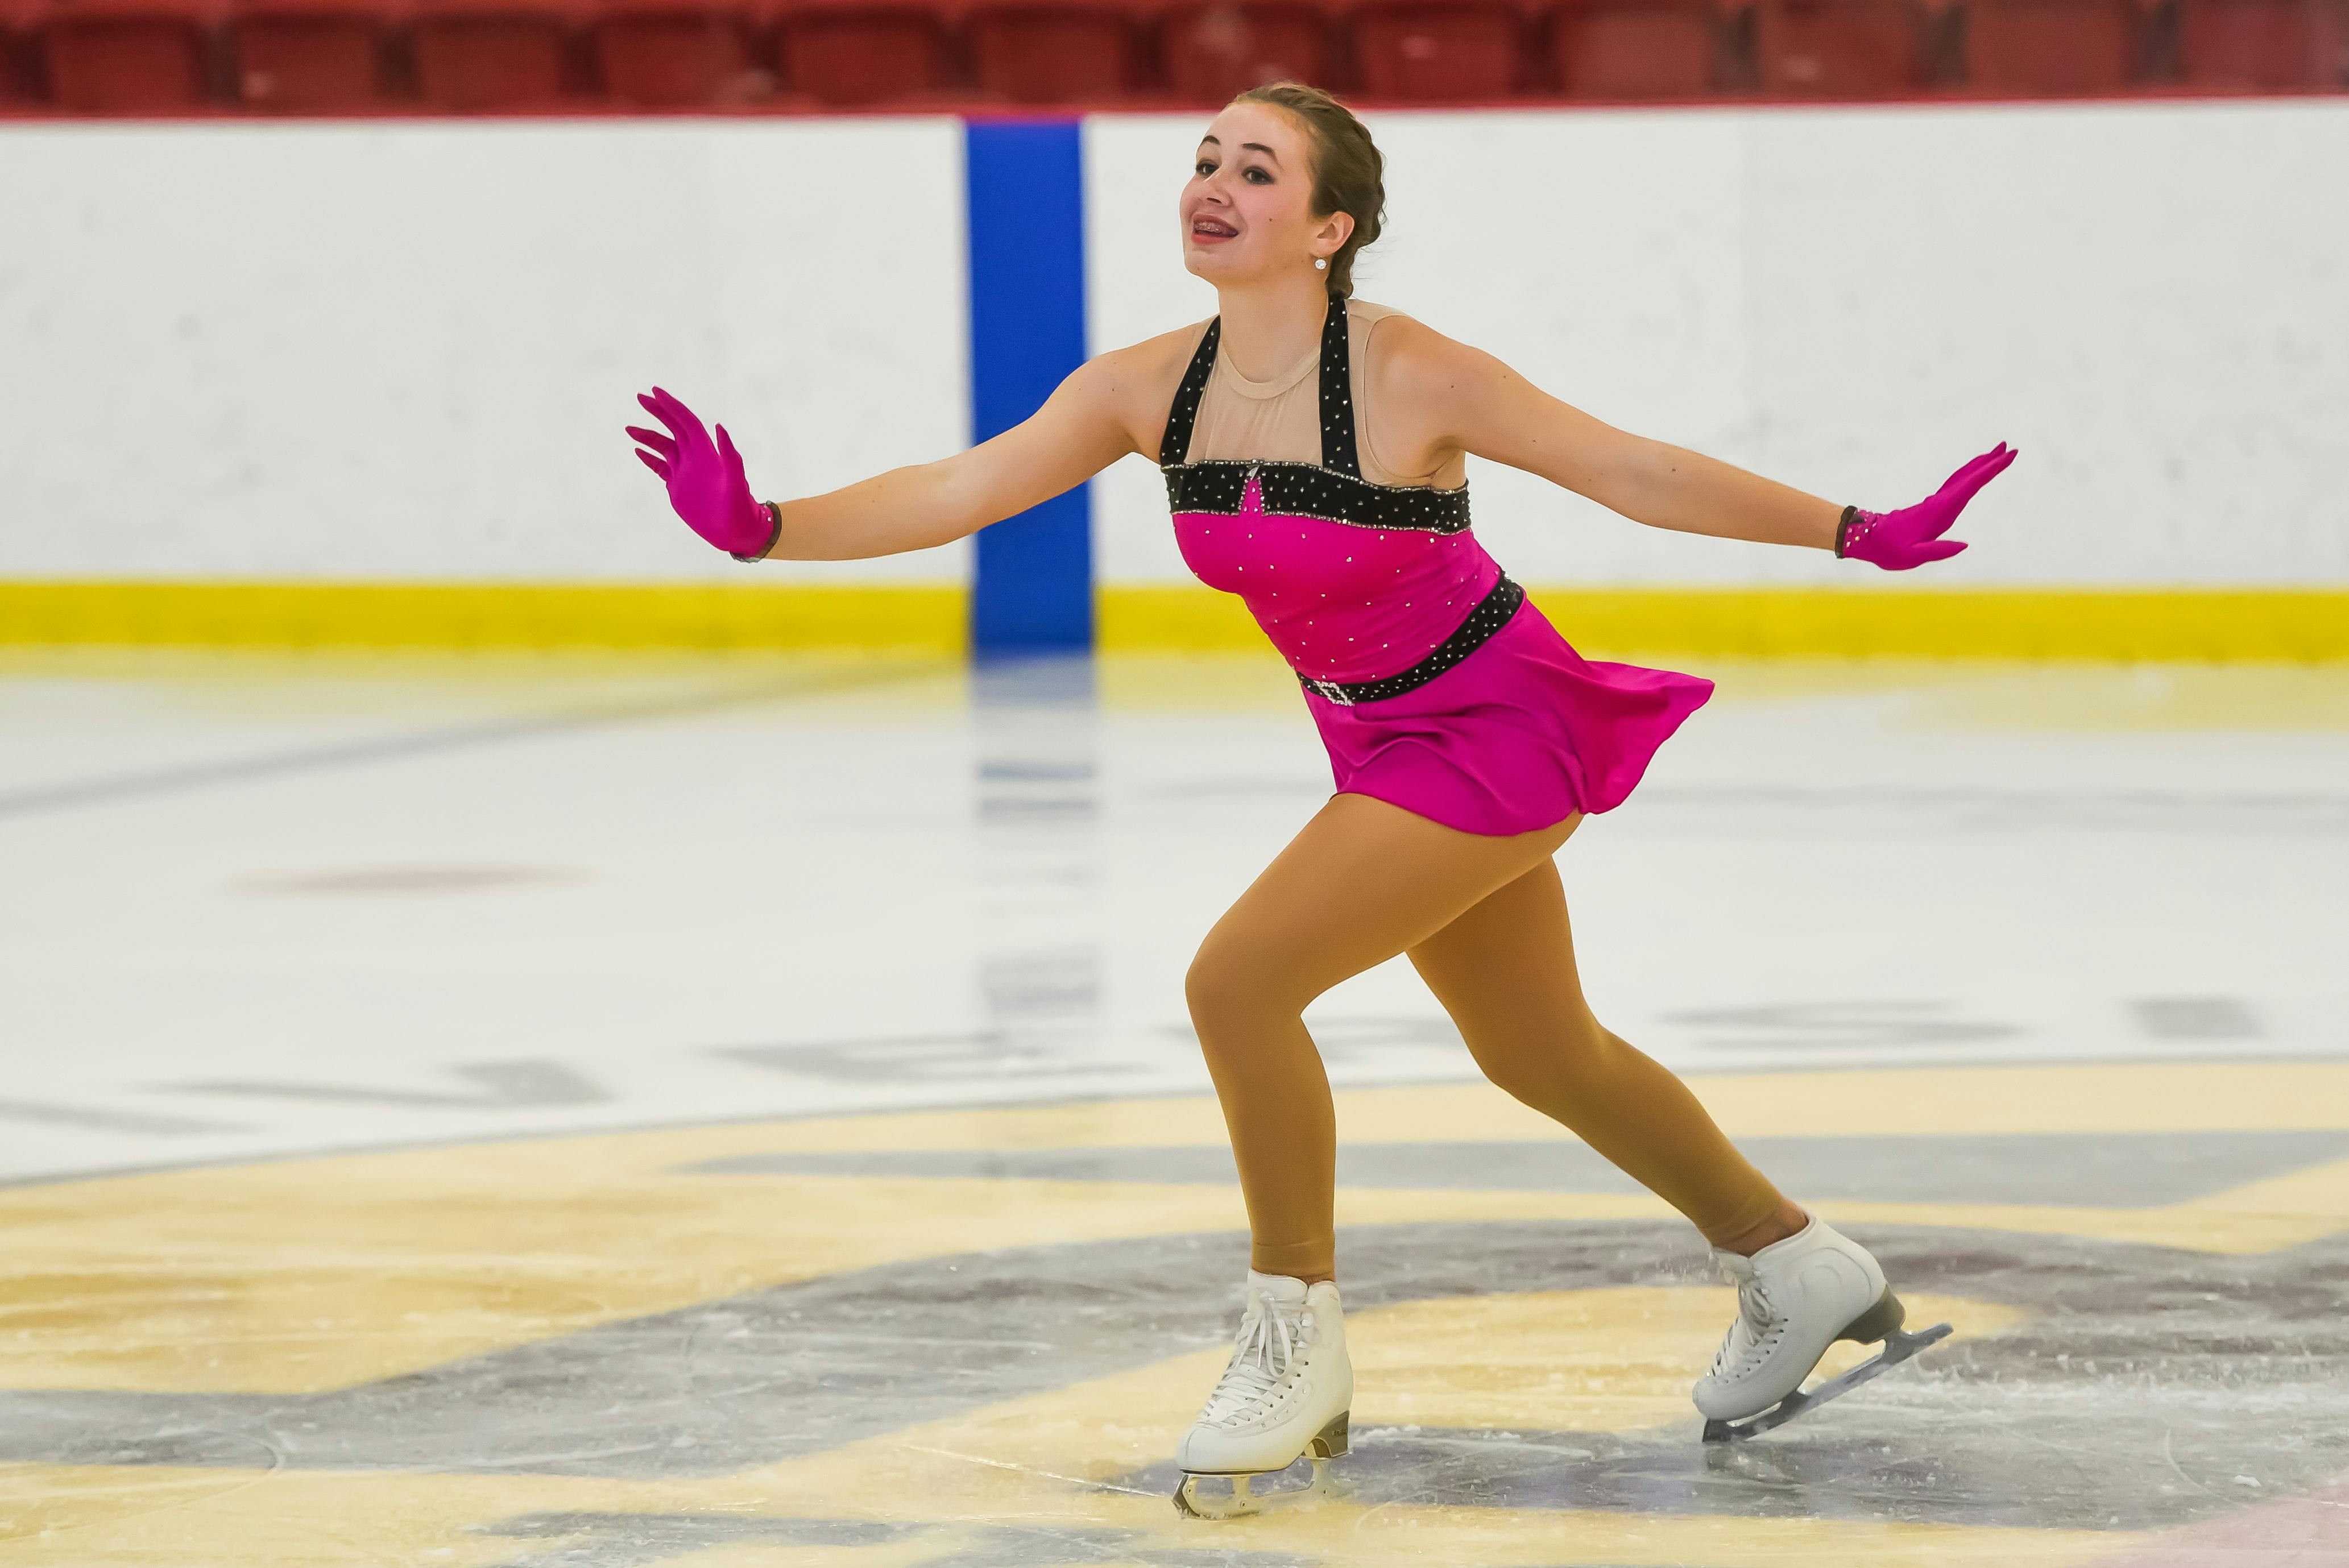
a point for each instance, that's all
(1319, 263)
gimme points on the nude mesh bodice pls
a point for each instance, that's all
(1279, 417)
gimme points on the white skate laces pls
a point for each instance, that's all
(1758, 1326)
(1264, 1362)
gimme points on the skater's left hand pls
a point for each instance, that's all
(1897, 540)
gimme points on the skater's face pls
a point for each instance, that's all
(1247, 209)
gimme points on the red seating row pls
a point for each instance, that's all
(460, 56)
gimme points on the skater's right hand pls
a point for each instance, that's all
(706, 486)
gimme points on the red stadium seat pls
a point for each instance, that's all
(2049, 46)
(128, 56)
(1052, 51)
(2263, 42)
(1441, 49)
(1216, 50)
(1839, 48)
(862, 51)
(1635, 48)
(476, 54)
(319, 56)
(17, 86)
(678, 54)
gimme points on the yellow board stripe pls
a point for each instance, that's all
(2250, 623)
(1954, 623)
(924, 617)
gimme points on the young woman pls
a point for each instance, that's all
(1314, 448)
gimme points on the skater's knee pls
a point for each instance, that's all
(1532, 1062)
(1232, 980)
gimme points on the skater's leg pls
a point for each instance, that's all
(1504, 971)
(1362, 881)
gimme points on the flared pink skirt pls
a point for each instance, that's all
(1522, 733)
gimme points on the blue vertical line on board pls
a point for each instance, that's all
(1032, 576)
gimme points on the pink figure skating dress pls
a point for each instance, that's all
(1437, 685)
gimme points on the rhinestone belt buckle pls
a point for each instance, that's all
(1334, 690)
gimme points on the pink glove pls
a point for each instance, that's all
(1897, 540)
(706, 486)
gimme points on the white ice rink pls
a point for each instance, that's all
(255, 905)
(428, 1133)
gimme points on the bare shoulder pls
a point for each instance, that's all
(1409, 358)
(1428, 388)
(1169, 351)
(1154, 367)
(1137, 383)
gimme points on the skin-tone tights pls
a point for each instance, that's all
(1482, 918)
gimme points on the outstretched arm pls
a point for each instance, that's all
(1467, 399)
(1083, 427)
(1075, 435)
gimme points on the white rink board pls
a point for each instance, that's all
(408, 349)
(2150, 301)
(405, 349)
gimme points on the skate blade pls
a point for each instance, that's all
(1195, 1500)
(1199, 1496)
(1898, 1347)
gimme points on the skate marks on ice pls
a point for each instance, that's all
(638, 1540)
(1518, 1366)
(2123, 1388)
(1034, 1054)
(409, 1352)
(2120, 1170)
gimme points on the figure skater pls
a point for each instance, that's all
(1314, 448)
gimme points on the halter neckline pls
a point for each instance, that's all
(1334, 490)
(1339, 453)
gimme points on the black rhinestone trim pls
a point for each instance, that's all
(1338, 450)
(1217, 485)
(1491, 613)
(1843, 529)
(774, 532)
(1333, 491)
(1176, 443)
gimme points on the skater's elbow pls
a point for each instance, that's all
(1646, 480)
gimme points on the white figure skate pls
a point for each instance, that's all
(1794, 1299)
(1285, 1395)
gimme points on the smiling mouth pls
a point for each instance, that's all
(1212, 228)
